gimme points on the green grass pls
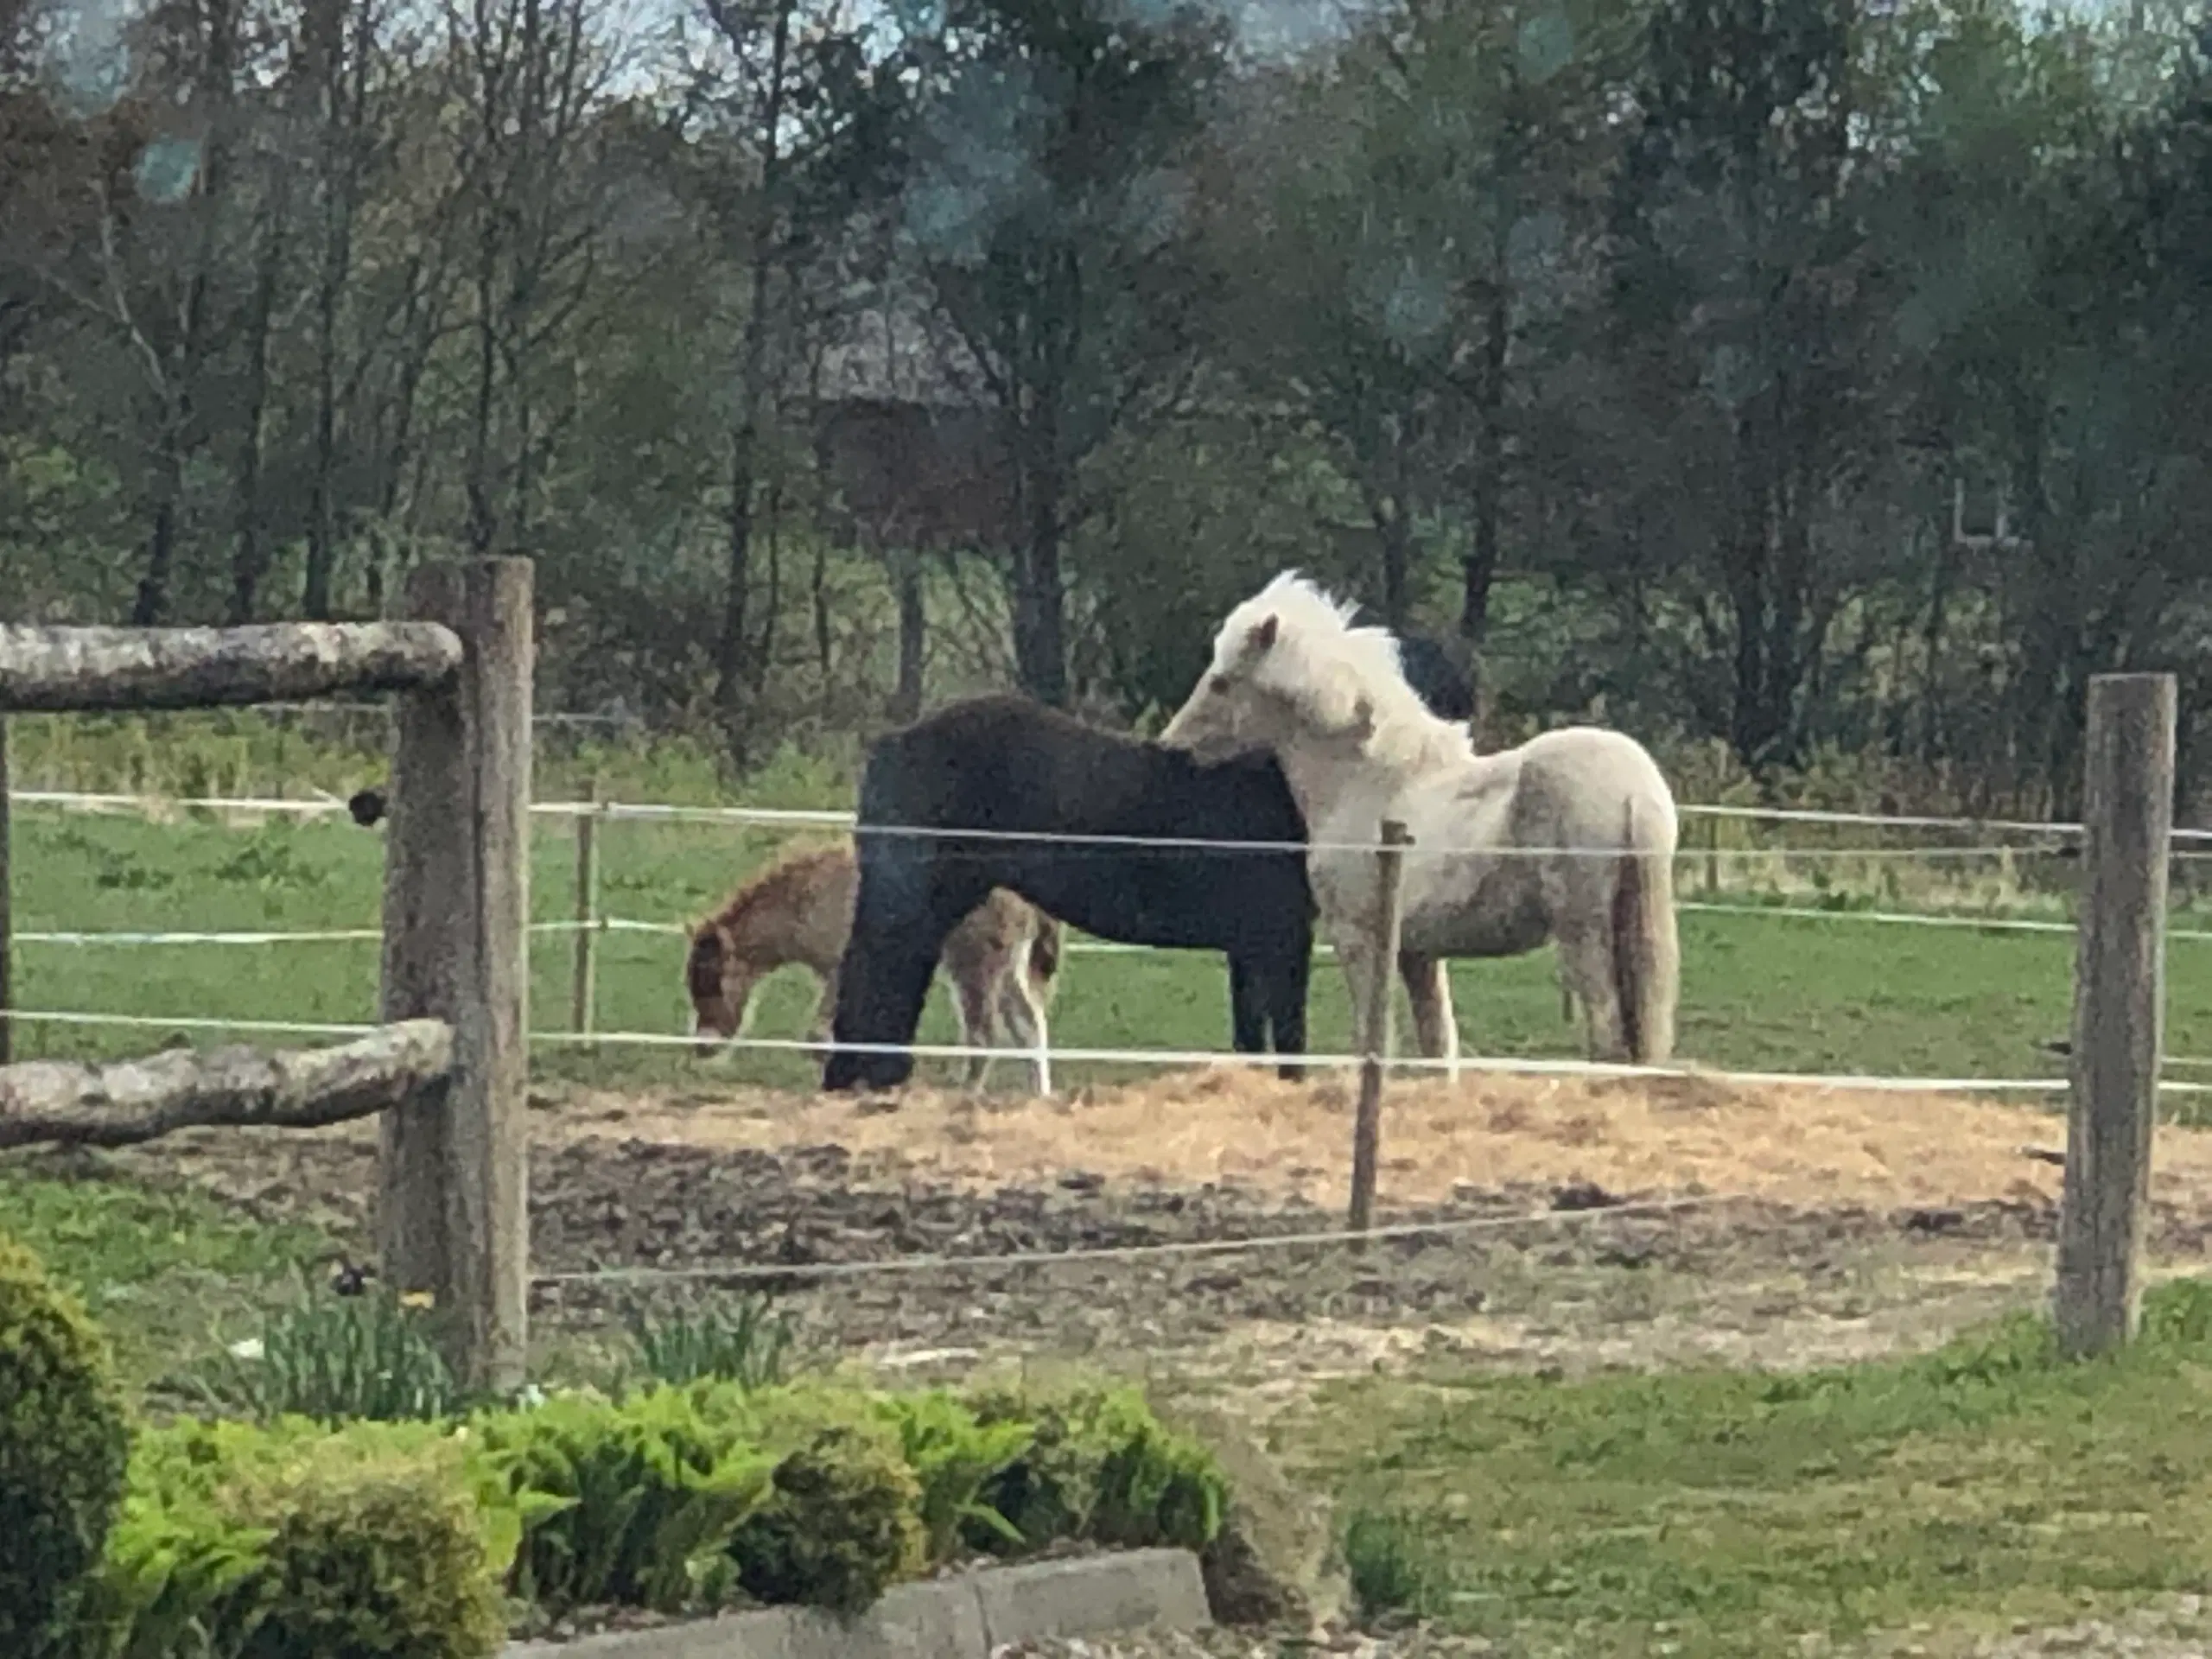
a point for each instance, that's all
(166, 1273)
(1733, 1512)
(1759, 992)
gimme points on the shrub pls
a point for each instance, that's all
(650, 1494)
(381, 1561)
(64, 1446)
(744, 1341)
(843, 1523)
(1388, 1570)
(954, 1458)
(1100, 1466)
(249, 1542)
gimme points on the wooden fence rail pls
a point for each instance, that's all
(450, 1069)
(57, 670)
(129, 1102)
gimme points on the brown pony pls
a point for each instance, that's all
(1002, 960)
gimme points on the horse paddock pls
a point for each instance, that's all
(1812, 1226)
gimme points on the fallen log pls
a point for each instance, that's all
(133, 1101)
(53, 671)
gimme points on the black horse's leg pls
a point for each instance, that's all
(1247, 1006)
(890, 955)
(1286, 1013)
(882, 985)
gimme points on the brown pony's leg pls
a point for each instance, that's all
(971, 1007)
(1021, 1016)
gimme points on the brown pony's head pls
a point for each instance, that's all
(721, 983)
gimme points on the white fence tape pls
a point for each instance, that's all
(1082, 947)
(800, 817)
(1502, 1065)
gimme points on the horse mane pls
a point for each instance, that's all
(768, 886)
(1340, 677)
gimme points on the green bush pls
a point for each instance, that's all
(1100, 1466)
(249, 1542)
(650, 1493)
(844, 1521)
(64, 1448)
(386, 1562)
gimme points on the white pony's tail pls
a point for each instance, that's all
(1647, 954)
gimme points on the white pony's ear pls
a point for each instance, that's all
(1261, 640)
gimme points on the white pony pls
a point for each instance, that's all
(1293, 677)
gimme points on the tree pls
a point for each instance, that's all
(1744, 301)
(1401, 213)
(1049, 205)
(797, 105)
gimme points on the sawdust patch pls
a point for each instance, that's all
(1804, 1147)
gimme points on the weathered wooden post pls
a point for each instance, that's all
(1711, 854)
(453, 1216)
(1375, 1024)
(2127, 802)
(582, 997)
(7, 910)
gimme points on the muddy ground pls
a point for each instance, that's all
(1809, 1230)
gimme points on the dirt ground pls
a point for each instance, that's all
(1814, 1226)
(1593, 1224)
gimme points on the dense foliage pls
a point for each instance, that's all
(424, 1538)
(1801, 373)
(62, 1445)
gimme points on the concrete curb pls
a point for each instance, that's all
(970, 1615)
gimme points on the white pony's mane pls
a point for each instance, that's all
(1337, 677)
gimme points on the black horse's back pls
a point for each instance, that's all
(1040, 787)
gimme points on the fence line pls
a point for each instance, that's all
(793, 816)
(1082, 947)
(742, 1272)
(1501, 1065)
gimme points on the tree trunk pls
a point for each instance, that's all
(1040, 649)
(251, 562)
(1479, 567)
(153, 601)
(1396, 535)
(340, 113)
(771, 613)
(914, 640)
(729, 655)
(819, 594)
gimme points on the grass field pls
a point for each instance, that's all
(1736, 1513)
(1760, 991)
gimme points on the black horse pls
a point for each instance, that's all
(1008, 766)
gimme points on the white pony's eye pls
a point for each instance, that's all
(1220, 686)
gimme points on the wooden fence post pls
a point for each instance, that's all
(1711, 854)
(1375, 1024)
(583, 998)
(453, 1216)
(2128, 803)
(7, 911)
